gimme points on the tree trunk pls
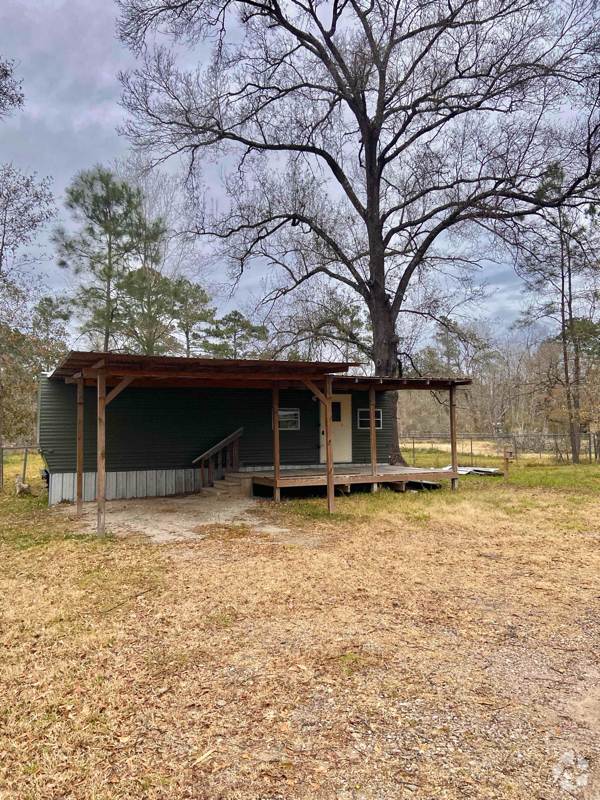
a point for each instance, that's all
(575, 385)
(1, 442)
(567, 379)
(383, 317)
(108, 310)
(576, 400)
(385, 357)
(565, 323)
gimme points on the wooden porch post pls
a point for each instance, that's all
(329, 446)
(80, 447)
(326, 400)
(101, 480)
(276, 464)
(453, 448)
(373, 436)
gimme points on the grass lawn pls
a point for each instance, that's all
(431, 645)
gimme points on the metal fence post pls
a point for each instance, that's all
(590, 445)
(25, 464)
(414, 462)
(471, 451)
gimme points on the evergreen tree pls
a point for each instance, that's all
(108, 214)
(149, 312)
(195, 316)
(236, 337)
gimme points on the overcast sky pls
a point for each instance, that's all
(67, 53)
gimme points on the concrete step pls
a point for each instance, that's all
(216, 491)
(221, 486)
(230, 486)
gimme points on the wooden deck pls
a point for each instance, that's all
(345, 474)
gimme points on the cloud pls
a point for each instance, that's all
(506, 290)
(68, 56)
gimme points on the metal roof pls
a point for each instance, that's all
(162, 371)
(127, 363)
(349, 382)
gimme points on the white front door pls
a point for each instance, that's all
(341, 428)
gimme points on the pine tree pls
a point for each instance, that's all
(195, 317)
(236, 337)
(108, 213)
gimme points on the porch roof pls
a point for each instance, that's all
(164, 371)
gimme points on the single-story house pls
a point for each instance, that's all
(119, 425)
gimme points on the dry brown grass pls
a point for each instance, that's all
(440, 645)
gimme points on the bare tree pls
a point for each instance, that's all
(166, 297)
(163, 201)
(368, 139)
(26, 206)
(11, 94)
(559, 261)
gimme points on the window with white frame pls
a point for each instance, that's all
(289, 419)
(364, 418)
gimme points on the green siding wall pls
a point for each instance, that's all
(148, 428)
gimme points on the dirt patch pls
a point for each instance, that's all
(174, 519)
(575, 767)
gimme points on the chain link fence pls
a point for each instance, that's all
(474, 448)
(429, 449)
(18, 462)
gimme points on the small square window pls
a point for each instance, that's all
(336, 411)
(364, 419)
(289, 419)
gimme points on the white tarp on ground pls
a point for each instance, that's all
(475, 470)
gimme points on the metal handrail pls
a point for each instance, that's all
(222, 444)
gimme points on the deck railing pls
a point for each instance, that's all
(222, 457)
